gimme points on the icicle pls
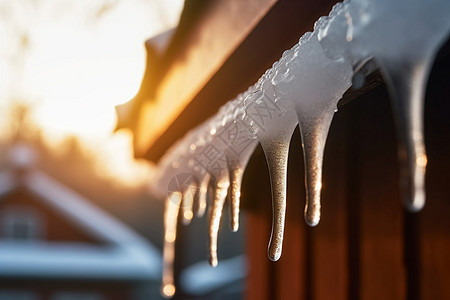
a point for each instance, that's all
(187, 203)
(219, 189)
(201, 198)
(314, 131)
(276, 152)
(236, 174)
(170, 233)
(407, 85)
(237, 164)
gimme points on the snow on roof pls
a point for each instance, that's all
(200, 278)
(76, 261)
(126, 255)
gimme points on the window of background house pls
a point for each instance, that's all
(21, 223)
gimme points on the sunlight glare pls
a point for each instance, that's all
(73, 61)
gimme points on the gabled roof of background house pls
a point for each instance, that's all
(124, 256)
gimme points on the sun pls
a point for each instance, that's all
(73, 61)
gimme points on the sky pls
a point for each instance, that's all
(72, 61)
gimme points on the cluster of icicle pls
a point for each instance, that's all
(402, 37)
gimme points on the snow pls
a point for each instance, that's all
(200, 279)
(71, 260)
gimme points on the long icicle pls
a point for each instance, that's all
(172, 207)
(407, 84)
(236, 173)
(314, 131)
(187, 204)
(277, 152)
(219, 190)
(202, 195)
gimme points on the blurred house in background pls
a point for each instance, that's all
(57, 245)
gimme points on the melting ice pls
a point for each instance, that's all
(402, 37)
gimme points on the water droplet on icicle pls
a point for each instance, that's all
(219, 189)
(407, 85)
(171, 210)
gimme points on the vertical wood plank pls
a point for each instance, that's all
(294, 260)
(258, 284)
(256, 204)
(382, 264)
(329, 238)
(435, 217)
(412, 255)
(353, 193)
(292, 265)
